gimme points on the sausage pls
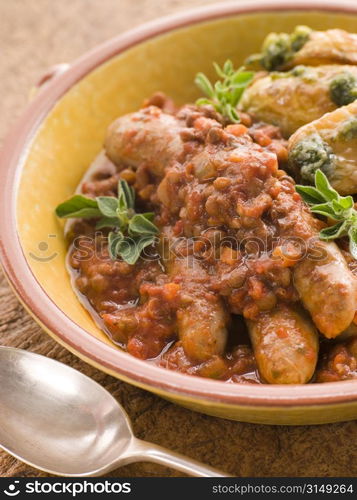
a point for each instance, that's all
(329, 144)
(201, 316)
(285, 344)
(149, 136)
(202, 327)
(327, 288)
(325, 284)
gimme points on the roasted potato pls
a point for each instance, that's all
(329, 144)
(295, 98)
(282, 51)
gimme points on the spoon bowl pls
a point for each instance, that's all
(60, 421)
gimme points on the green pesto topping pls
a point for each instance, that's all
(348, 130)
(299, 37)
(343, 89)
(298, 71)
(309, 155)
(305, 73)
(279, 48)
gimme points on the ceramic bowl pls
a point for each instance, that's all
(61, 132)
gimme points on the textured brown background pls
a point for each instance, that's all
(33, 35)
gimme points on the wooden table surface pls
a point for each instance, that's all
(35, 34)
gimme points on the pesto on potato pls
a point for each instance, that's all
(343, 88)
(294, 98)
(282, 51)
(329, 144)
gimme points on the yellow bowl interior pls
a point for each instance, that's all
(72, 134)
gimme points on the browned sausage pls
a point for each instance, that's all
(149, 136)
(327, 289)
(201, 317)
(285, 344)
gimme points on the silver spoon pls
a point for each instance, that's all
(56, 419)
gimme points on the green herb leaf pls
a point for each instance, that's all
(204, 84)
(228, 67)
(224, 95)
(352, 233)
(346, 202)
(242, 78)
(336, 207)
(231, 113)
(326, 209)
(126, 196)
(141, 224)
(133, 232)
(131, 248)
(203, 101)
(309, 194)
(336, 231)
(108, 205)
(123, 217)
(149, 216)
(78, 206)
(220, 72)
(324, 187)
(114, 241)
(107, 222)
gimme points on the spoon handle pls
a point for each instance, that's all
(144, 451)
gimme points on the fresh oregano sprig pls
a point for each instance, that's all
(323, 199)
(131, 232)
(225, 94)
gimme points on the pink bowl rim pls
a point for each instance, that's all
(53, 318)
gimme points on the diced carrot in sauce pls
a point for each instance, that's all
(237, 129)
